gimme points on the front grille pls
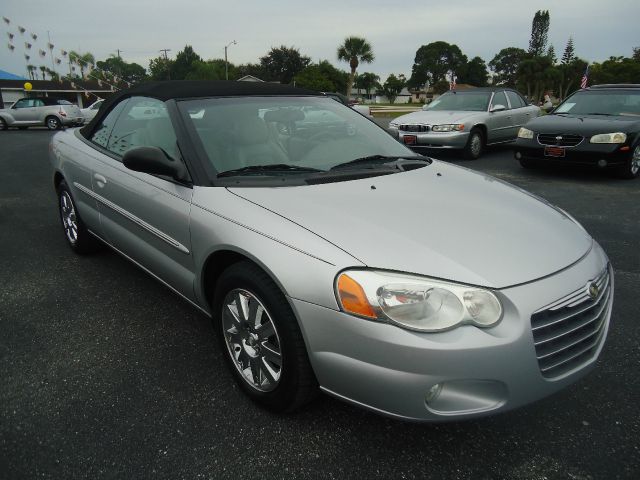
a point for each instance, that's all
(414, 128)
(559, 139)
(567, 333)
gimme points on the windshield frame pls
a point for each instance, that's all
(593, 92)
(278, 179)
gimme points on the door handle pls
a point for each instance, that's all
(100, 180)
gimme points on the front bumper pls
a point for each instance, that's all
(585, 154)
(434, 139)
(481, 371)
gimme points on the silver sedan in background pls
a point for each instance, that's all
(330, 257)
(467, 120)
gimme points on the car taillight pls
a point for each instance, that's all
(62, 113)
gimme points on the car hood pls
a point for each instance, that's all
(584, 125)
(441, 221)
(436, 117)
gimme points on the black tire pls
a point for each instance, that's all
(631, 168)
(75, 231)
(3, 124)
(296, 384)
(52, 123)
(528, 163)
(22, 128)
(475, 144)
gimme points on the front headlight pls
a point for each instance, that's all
(617, 137)
(393, 124)
(449, 127)
(525, 133)
(415, 303)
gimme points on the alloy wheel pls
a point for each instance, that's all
(252, 340)
(53, 123)
(476, 145)
(635, 161)
(68, 216)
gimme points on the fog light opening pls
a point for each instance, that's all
(433, 393)
(518, 155)
(602, 163)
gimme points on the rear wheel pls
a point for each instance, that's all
(475, 144)
(78, 237)
(631, 168)
(52, 123)
(261, 339)
(3, 124)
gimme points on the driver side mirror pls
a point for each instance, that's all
(497, 108)
(154, 161)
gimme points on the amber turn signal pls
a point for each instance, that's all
(353, 298)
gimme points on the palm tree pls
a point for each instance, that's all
(31, 69)
(355, 50)
(84, 61)
(43, 70)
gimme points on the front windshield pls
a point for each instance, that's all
(617, 102)
(467, 101)
(296, 132)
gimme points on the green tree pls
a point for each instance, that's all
(392, 87)
(84, 61)
(434, 62)
(183, 63)
(474, 73)
(615, 70)
(636, 54)
(160, 68)
(43, 71)
(551, 53)
(569, 54)
(283, 63)
(569, 77)
(535, 75)
(354, 50)
(116, 66)
(31, 69)
(505, 66)
(539, 33)
(253, 69)
(367, 81)
(313, 78)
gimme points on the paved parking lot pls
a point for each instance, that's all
(107, 374)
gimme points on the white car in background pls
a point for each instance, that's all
(91, 110)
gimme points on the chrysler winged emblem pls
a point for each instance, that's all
(593, 290)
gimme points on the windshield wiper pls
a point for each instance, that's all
(377, 160)
(272, 168)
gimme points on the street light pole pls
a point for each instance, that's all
(226, 63)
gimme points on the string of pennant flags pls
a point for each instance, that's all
(107, 78)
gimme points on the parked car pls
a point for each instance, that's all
(595, 127)
(331, 257)
(468, 120)
(91, 110)
(37, 111)
(338, 97)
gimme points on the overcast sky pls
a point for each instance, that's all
(140, 28)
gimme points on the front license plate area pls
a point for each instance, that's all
(410, 139)
(554, 152)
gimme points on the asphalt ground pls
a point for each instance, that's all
(107, 374)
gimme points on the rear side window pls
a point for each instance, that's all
(101, 134)
(516, 100)
(499, 99)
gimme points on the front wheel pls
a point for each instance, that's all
(261, 339)
(3, 124)
(475, 145)
(76, 233)
(52, 123)
(631, 168)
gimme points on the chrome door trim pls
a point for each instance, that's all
(130, 216)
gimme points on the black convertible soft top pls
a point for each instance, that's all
(196, 89)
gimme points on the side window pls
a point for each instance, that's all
(22, 103)
(102, 132)
(38, 103)
(499, 99)
(144, 123)
(516, 100)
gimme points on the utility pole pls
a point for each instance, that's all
(226, 63)
(166, 61)
(118, 50)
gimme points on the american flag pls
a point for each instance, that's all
(452, 83)
(585, 78)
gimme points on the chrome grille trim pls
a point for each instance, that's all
(566, 140)
(568, 332)
(414, 128)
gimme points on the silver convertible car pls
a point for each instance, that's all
(467, 120)
(330, 257)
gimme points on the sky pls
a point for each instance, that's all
(140, 28)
